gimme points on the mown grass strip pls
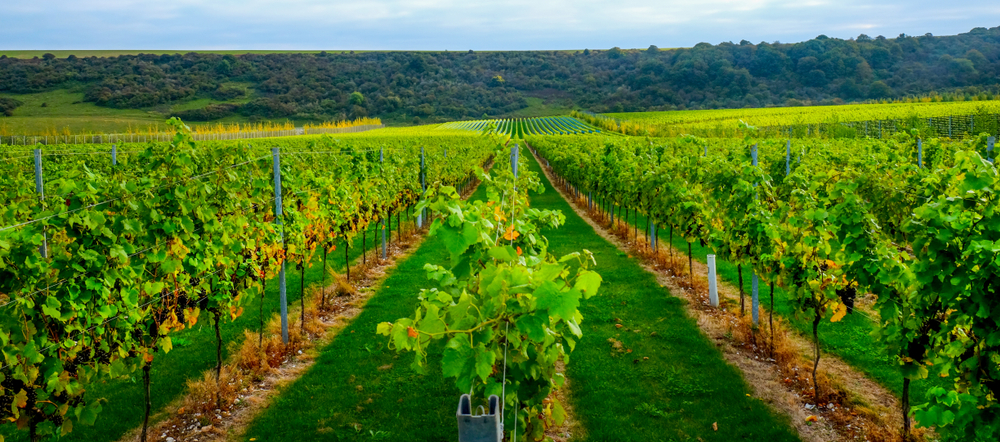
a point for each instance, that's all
(681, 389)
(194, 353)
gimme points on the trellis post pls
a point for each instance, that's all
(283, 295)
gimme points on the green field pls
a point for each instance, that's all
(522, 127)
(726, 122)
(63, 111)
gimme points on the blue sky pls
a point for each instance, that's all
(462, 25)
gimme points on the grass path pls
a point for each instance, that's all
(193, 354)
(359, 390)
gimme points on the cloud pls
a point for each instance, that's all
(460, 25)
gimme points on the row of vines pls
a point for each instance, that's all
(101, 267)
(917, 226)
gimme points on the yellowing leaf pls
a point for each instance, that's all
(840, 313)
(511, 234)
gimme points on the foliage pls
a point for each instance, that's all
(857, 213)
(508, 310)
(136, 251)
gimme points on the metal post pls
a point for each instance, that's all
(920, 153)
(40, 189)
(755, 301)
(713, 291)
(277, 219)
(515, 155)
(788, 157)
(423, 187)
(385, 250)
(949, 126)
(989, 148)
(114, 155)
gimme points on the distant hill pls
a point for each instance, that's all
(436, 86)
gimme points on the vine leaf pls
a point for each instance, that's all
(560, 304)
(588, 283)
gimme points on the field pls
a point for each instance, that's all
(64, 112)
(726, 122)
(521, 127)
(236, 290)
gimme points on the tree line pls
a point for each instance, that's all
(436, 86)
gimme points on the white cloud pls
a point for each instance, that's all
(459, 25)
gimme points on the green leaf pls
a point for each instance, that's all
(560, 304)
(533, 325)
(51, 307)
(503, 253)
(485, 359)
(558, 413)
(88, 413)
(588, 282)
(432, 323)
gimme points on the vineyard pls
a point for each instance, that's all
(906, 220)
(522, 127)
(104, 256)
(203, 132)
(159, 289)
(950, 119)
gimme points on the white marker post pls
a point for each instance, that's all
(713, 291)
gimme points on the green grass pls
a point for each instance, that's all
(122, 411)
(65, 110)
(685, 385)
(539, 107)
(360, 390)
(850, 339)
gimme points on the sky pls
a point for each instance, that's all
(460, 25)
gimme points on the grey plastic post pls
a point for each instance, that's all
(277, 219)
(713, 291)
(114, 155)
(920, 153)
(989, 148)
(40, 189)
(486, 427)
